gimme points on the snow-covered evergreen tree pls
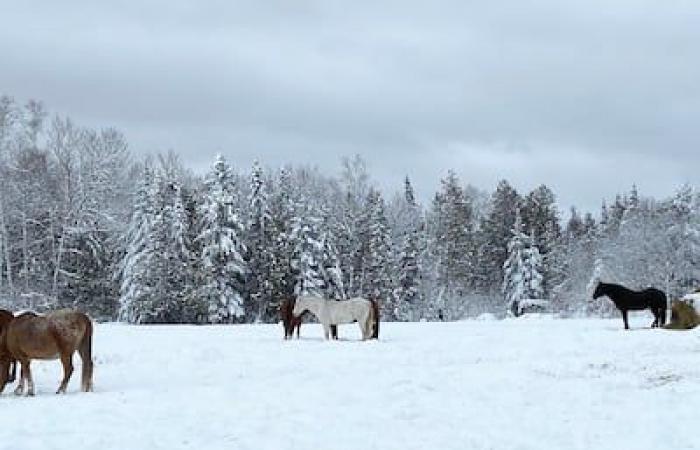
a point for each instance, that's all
(408, 292)
(307, 254)
(379, 283)
(522, 278)
(221, 240)
(495, 233)
(263, 303)
(282, 213)
(135, 290)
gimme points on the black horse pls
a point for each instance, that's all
(627, 299)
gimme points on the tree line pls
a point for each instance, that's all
(86, 224)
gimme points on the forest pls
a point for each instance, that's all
(86, 224)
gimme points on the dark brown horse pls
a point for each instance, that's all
(289, 322)
(52, 336)
(5, 319)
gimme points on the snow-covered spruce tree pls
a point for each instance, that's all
(171, 274)
(522, 278)
(307, 253)
(494, 235)
(408, 293)
(281, 211)
(331, 270)
(379, 280)
(221, 239)
(134, 290)
(408, 297)
(454, 246)
(261, 304)
(682, 225)
(541, 217)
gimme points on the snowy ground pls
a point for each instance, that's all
(513, 384)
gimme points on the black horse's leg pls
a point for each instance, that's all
(624, 319)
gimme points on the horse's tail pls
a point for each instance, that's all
(372, 320)
(369, 324)
(375, 321)
(85, 350)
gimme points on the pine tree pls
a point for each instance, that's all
(171, 274)
(220, 237)
(540, 215)
(307, 254)
(379, 280)
(522, 280)
(407, 294)
(281, 208)
(495, 233)
(263, 304)
(135, 290)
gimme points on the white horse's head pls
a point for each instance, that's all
(299, 307)
(304, 303)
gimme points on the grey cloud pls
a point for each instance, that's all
(524, 90)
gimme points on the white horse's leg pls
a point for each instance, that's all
(19, 390)
(326, 331)
(363, 328)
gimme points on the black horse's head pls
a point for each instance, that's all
(599, 290)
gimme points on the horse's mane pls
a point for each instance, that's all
(614, 289)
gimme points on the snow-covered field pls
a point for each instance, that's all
(512, 384)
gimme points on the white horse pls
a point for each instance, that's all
(332, 312)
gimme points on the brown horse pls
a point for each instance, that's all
(5, 319)
(55, 335)
(289, 322)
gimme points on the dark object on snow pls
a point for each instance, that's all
(5, 319)
(629, 300)
(55, 335)
(289, 322)
(683, 316)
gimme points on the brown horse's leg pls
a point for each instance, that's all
(298, 328)
(67, 361)
(85, 351)
(334, 332)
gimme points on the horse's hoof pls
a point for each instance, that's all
(19, 391)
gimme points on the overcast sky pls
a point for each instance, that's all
(588, 97)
